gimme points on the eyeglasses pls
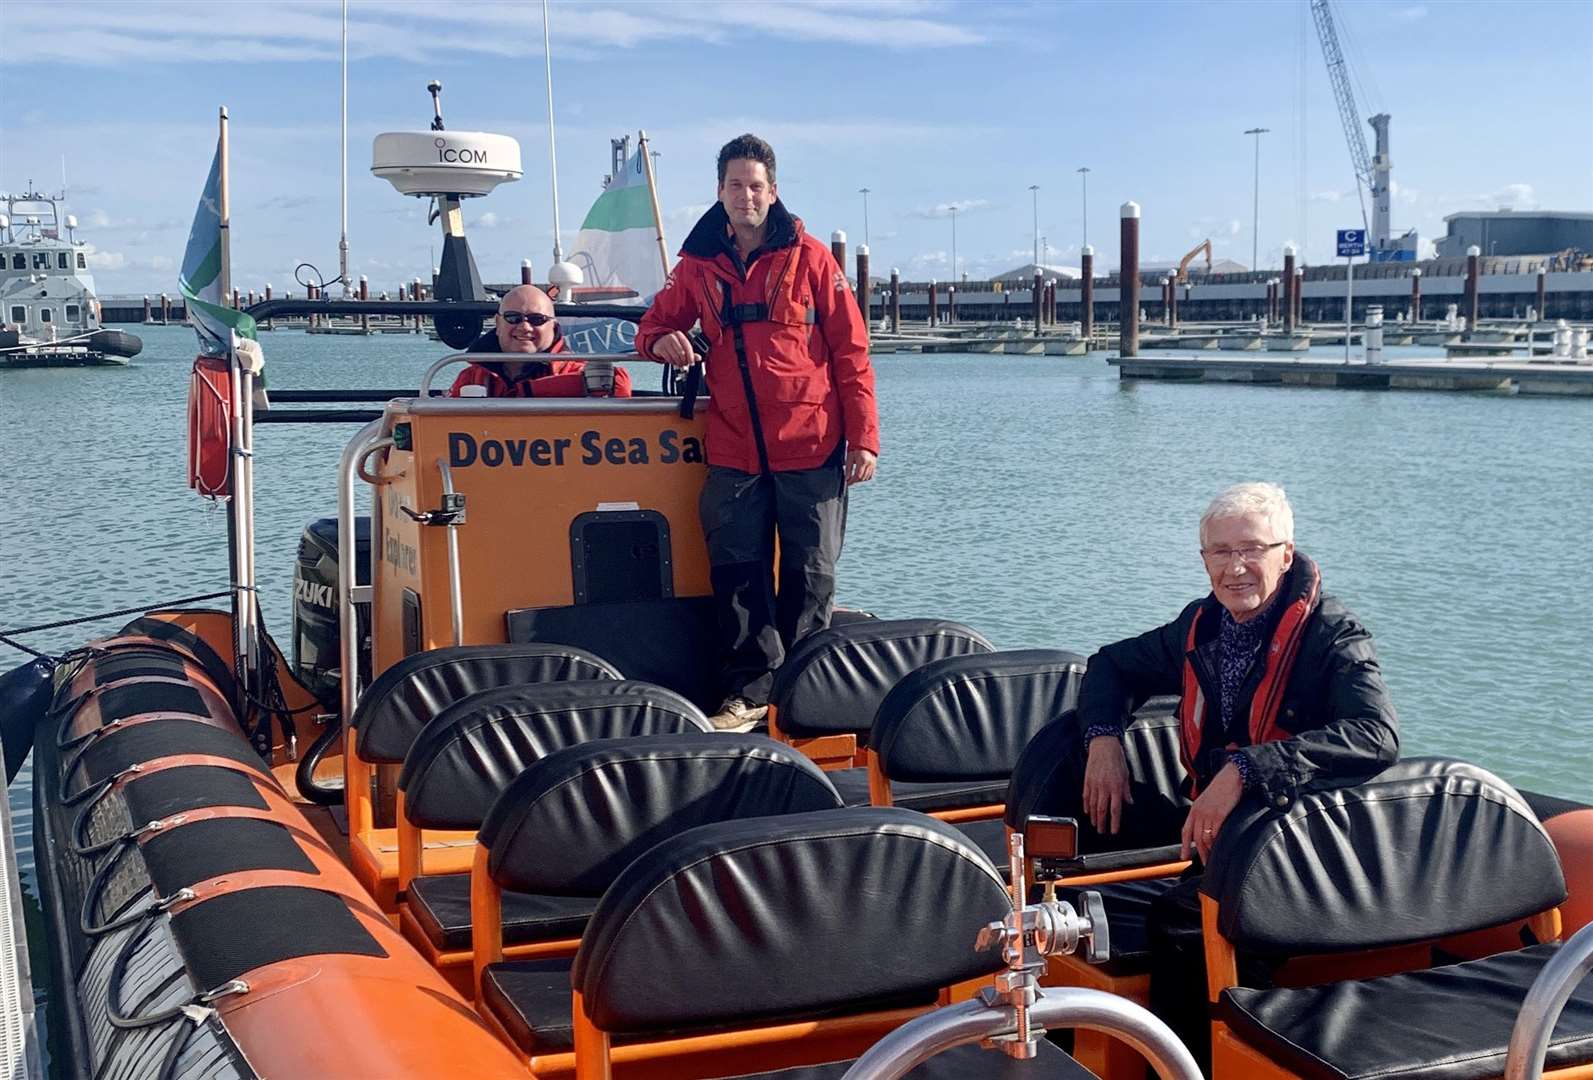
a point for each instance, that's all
(515, 318)
(1249, 553)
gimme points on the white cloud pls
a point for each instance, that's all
(1409, 14)
(1333, 195)
(1511, 197)
(943, 210)
(106, 260)
(488, 220)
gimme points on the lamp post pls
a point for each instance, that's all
(954, 244)
(864, 192)
(1255, 226)
(1034, 189)
(1084, 199)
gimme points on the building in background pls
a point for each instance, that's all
(1516, 232)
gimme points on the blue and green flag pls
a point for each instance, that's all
(200, 281)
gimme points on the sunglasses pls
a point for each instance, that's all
(515, 318)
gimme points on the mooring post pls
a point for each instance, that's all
(268, 300)
(1291, 310)
(165, 308)
(415, 293)
(1087, 293)
(1039, 302)
(1298, 299)
(525, 271)
(838, 248)
(365, 294)
(1167, 301)
(1128, 284)
(934, 314)
(1543, 296)
(864, 299)
(1473, 289)
(896, 300)
(146, 309)
(1172, 303)
(951, 304)
(1416, 294)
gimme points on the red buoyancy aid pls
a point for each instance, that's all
(1280, 650)
(210, 427)
(564, 378)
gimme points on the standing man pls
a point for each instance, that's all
(793, 421)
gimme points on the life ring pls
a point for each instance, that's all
(210, 427)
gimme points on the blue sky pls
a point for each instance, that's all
(929, 103)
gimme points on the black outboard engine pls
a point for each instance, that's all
(317, 644)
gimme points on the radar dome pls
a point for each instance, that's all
(463, 164)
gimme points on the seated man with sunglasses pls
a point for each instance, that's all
(525, 324)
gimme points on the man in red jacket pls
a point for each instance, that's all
(793, 420)
(525, 324)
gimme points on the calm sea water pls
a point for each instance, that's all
(1038, 499)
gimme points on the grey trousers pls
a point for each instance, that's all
(742, 514)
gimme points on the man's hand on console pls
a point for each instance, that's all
(1210, 810)
(1106, 784)
(674, 348)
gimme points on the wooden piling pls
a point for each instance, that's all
(147, 315)
(1128, 288)
(1290, 308)
(896, 300)
(165, 309)
(1473, 286)
(864, 299)
(1087, 291)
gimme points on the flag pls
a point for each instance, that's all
(617, 247)
(618, 242)
(200, 280)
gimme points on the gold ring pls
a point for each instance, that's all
(1208, 830)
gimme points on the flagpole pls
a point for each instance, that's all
(246, 640)
(553, 151)
(342, 243)
(652, 191)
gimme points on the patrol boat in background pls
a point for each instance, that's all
(49, 315)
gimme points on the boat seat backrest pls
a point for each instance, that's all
(770, 916)
(404, 698)
(834, 680)
(1428, 848)
(470, 752)
(1047, 781)
(969, 717)
(570, 823)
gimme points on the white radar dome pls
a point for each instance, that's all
(459, 163)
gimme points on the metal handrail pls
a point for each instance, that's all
(1540, 1011)
(516, 358)
(456, 599)
(971, 1021)
(348, 622)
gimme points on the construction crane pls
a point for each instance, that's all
(1371, 173)
(1183, 264)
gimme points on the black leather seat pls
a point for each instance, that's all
(1427, 849)
(832, 682)
(407, 696)
(853, 787)
(1445, 1023)
(441, 905)
(728, 910)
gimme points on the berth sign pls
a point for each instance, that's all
(1352, 242)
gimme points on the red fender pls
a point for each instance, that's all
(210, 428)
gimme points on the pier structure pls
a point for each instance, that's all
(1506, 376)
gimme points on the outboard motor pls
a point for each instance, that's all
(317, 656)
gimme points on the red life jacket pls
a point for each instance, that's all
(545, 378)
(1280, 652)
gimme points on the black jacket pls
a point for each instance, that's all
(1337, 711)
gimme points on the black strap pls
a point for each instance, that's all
(729, 318)
(688, 396)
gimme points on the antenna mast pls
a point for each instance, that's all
(342, 242)
(553, 150)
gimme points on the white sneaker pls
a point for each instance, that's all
(738, 714)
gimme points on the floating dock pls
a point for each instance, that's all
(1506, 377)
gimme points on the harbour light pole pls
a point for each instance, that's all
(864, 192)
(1034, 189)
(954, 277)
(1255, 210)
(1084, 199)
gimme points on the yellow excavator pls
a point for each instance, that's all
(1183, 264)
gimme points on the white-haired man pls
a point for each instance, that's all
(1279, 686)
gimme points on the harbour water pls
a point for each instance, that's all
(1038, 499)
